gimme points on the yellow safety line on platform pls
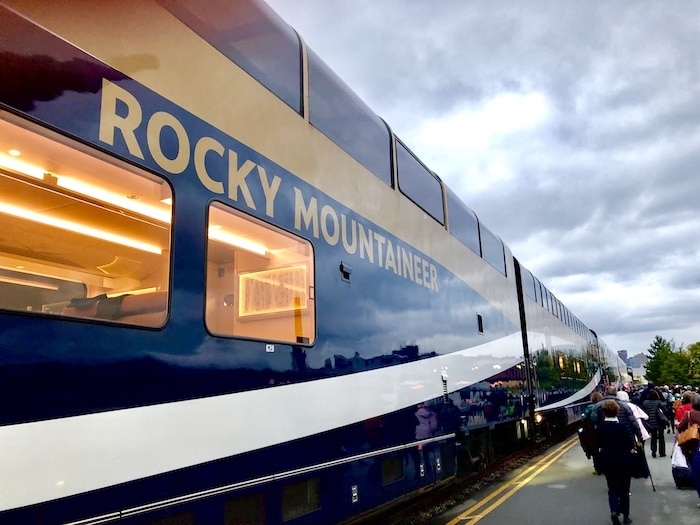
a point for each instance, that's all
(471, 516)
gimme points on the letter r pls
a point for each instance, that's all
(109, 120)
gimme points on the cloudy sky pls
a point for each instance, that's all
(572, 129)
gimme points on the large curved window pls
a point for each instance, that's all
(260, 280)
(418, 183)
(253, 36)
(462, 222)
(492, 248)
(82, 236)
(345, 119)
(528, 283)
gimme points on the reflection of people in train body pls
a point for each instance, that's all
(427, 422)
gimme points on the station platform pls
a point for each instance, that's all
(560, 487)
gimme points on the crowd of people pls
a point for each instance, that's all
(620, 421)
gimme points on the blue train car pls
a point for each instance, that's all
(230, 294)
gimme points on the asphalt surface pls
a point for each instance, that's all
(559, 487)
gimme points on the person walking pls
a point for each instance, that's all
(690, 417)
(656, 410)
(685, 406)
(615, 460)
(642, 417)
(625, 415)
(587, 432)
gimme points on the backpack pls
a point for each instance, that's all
(587, 437)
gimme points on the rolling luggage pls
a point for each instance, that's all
(679, 469)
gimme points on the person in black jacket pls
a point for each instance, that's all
(615, 460)
(625, 415)
(656, 409)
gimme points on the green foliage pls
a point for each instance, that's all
(668, 365)
(694, 363)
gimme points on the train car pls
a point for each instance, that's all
(229, 293)
(562, 351)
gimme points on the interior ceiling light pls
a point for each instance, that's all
(129, 202)
(75, 227)
(28, 282)
(19, 166)
(218, 234)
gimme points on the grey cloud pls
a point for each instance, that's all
(606, 188)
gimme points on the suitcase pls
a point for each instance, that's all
(682, 476)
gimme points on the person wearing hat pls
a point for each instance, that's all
(642, 417)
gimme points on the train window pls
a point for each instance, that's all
(248, 510)
(83, 235)
(300, 498)
(260, 280)
(492, 248)
(418, 183)
(392, 470)
(462, 222)
(528, 283)
(251, 35)
(345, 119)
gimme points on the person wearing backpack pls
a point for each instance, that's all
(587, 431)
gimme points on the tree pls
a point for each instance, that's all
(659, 352)
(670, 365)
(693, 352)
(674, 370)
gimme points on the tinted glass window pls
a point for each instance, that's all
(462, 222)
(528, 283)
(248, 510)
(82, 236)
(300, 498)
(345, 119)
(418, 183)
(253, 36)
(492, 248)
(392, 470)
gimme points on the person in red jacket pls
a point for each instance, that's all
(686, 400)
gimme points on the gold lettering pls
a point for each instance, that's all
(109, 120)
(327, 212)
(308, 214)
(204, 145)
(236, 179)
(270, 190)
(158, 121)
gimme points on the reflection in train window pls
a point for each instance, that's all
(82, 236)
(492, 249)
(462, 222)
(251, 35)
(418, 183)
(260, 280)
(345, 119)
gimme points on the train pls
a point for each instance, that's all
(229, 293)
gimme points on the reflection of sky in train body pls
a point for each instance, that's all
(398, 312)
